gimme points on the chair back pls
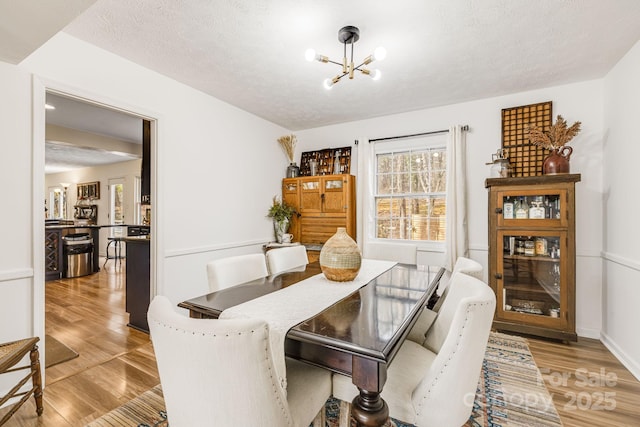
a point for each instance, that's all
(216, 371)
(230, 271)
(459, 337)
(281, 259)
(463, 265)
(469, 267)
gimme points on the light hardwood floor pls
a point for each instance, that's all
(116, 363)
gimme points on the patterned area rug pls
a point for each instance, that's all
(511, 393)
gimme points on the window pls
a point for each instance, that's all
(410, 190)
(137, 205)
(116, 206)
(56, 203)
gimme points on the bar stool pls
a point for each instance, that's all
(117, 250)
(10, 354)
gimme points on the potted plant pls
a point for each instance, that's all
(554, 140)
(281, 214)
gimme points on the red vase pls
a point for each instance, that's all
(558, 161)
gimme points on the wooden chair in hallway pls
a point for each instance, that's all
(10, 354)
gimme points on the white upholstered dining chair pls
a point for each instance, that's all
(281, 259)
(463, 265)
(230, 271)
(221, 372)
(428, 316)
(434, 384)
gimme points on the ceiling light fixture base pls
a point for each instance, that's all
(349, 34)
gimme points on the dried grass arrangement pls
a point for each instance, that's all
(288, 144)
(556, 137)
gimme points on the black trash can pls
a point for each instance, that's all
(78, 254)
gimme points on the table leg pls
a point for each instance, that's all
(368, 409)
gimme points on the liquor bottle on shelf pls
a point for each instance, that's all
(507, 208)
(541, 246)
(536, 211)
(548, 209)
(529, 247)
(522, 209)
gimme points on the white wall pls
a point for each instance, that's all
(218, 166)
(576, 102)
(621, 252)
(19, 291)
(128, 170)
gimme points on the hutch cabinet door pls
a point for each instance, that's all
(291, 197)
(310, 195)
(333, 195)
(531, 277)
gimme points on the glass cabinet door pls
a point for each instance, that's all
(537, 206)
(531, 274)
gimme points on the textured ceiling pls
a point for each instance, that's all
(69, 150)
(251, 54)
(27, 24)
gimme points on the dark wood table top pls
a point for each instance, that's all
(370, 323)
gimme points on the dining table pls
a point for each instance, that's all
(357, 335)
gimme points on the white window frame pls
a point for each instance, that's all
(119, 229)
(369, 192)
(137, 200)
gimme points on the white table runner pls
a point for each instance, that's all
(296, 303)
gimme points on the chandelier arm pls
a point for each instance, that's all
(334, 62)
(358, 67)
(339, 76)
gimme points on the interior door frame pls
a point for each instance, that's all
(40, 87)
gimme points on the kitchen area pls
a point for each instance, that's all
(98, 198)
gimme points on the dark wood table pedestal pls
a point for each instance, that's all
(368, 409)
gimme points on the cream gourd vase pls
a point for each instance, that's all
(340, 257)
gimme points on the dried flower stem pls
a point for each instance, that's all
(556, 137)
(288, 143)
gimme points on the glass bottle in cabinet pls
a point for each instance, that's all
(532, 254)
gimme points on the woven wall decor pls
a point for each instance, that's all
(525, 158)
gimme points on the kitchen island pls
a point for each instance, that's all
(138, 281)
(55, 261)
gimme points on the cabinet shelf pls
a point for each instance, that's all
(540, 258)
(535, 293)
(528, 287)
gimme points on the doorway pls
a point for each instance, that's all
(91, 142)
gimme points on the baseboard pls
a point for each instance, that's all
(589, 333)
(628, 363)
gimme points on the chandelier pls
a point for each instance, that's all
(348, 36)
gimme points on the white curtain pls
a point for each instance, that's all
(457, 241)
(364, 182)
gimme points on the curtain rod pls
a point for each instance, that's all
(435, 132)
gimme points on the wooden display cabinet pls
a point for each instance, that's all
(532, 256)
(323, 203)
